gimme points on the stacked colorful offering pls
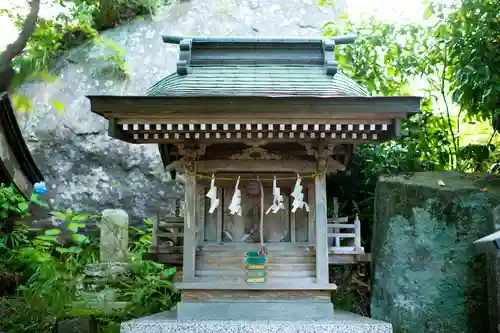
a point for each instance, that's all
(256, 267)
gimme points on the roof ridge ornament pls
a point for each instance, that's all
(331, 66)
(184, 62)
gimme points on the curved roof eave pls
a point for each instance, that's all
(16, 143)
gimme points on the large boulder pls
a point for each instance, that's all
(87, 170)
(427, 277)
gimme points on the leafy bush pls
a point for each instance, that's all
(80, 23)
(452, 60)
(42, 274)
(110, 13)
(50, 39)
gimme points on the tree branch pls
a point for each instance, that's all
(18, 46)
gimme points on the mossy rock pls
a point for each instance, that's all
(427, 277)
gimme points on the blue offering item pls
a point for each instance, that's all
(40, 188)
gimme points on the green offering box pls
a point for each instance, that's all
(256, 260)
(253, 258)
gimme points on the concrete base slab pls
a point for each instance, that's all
(253, 310)
(338, 322)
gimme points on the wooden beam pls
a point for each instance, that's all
(321, 230)
(247, 178)
(189, 229)
(295, 166)
(138, 138)
(255, 108)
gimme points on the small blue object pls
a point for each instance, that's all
(220, 243)
(40, 188)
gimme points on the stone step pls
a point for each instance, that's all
(271, 253)
(292, 258)
(242, 273)
(239, 283)
(243, 266)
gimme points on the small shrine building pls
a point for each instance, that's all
(245, 114)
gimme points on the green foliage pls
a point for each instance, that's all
(452, 62)
(393, 59)
(471, 34)
(110, 13)
(42, 272)
(11, 202)
(81, 23)
(50, 39)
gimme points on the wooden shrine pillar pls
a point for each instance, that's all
(321, 227)
(189, 247)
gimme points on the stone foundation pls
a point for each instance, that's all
(248, 317)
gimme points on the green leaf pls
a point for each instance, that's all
(46, 76)
(74, 249)
(52, 239)
(57, 105)
(428, 12)
(169, 272)
(23, 206)
(80, 239)
(59, 215)
(343, 16)
(73, 226)
(21, 103)
(79, 218)
(35, 198)
(61, 250)
(52, 232)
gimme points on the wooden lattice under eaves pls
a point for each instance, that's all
(283, 132)
(240, 118)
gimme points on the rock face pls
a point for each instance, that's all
(427, 277)
(83, 167)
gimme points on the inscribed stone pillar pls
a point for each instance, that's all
(427, 276)
(114, 235)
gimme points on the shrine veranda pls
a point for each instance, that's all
(256, 111)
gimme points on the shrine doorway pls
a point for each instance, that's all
(281, 227)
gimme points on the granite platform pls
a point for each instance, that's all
(254, 317)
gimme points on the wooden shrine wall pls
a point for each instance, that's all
(280, 227)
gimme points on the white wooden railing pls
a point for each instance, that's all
(343, 237)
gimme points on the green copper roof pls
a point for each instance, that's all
(310, 81)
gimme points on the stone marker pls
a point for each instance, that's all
(113, 256)
(114, 236)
